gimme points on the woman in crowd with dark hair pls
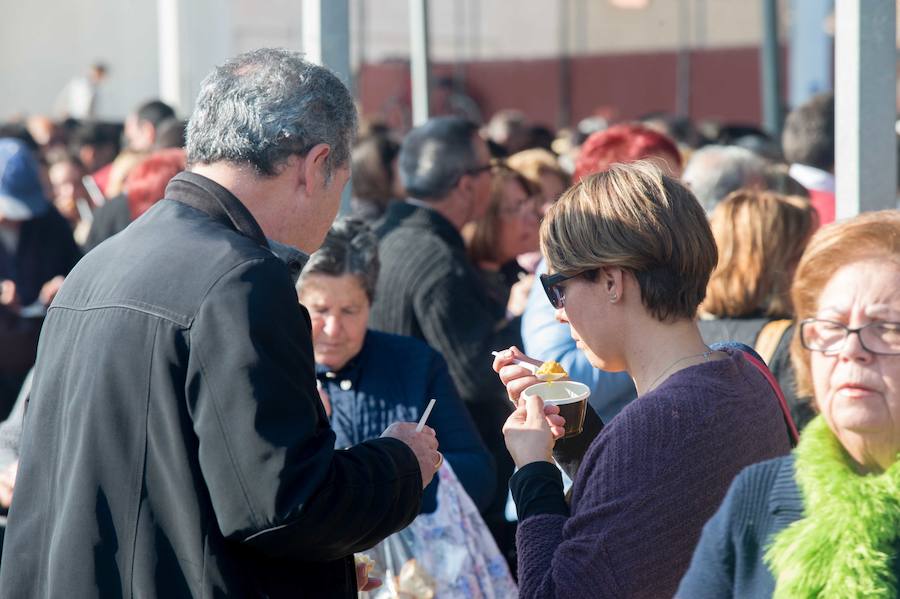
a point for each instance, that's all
(825, 520)
(373, 174)
(760, 237)
(368, 377)
(630, 251)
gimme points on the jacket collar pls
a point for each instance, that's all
(291, 256)
(220, 204)
(404, 214)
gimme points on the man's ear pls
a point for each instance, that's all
(313, 173)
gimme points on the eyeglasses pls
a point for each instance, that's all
(526, 207)
(554, 289)
(882, 338)
(477, 170)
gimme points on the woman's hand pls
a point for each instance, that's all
(518, 295)
(531, 431)
(514, 377)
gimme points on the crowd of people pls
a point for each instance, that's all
(225, 394)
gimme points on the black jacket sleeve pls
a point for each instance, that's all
(459, 324)
(266, 450)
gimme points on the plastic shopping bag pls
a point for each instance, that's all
(448, 554)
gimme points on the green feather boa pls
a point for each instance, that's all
(846, 542)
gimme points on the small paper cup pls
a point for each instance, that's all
(570, 396)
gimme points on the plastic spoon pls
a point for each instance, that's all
(548, 377)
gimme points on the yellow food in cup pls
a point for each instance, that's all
(551, 367)
(362, 558)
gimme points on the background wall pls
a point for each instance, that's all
(506, 52)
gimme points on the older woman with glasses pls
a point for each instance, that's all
(825, 521)
(630, 253)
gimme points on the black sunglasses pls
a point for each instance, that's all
(552, 284)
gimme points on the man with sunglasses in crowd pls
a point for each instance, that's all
(427, 287)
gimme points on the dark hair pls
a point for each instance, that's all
(808, 136)
(170, 134)
(95, 134)
(434, 156)
(19, 131)
(372, 168)
(350, 248)
(154, 112)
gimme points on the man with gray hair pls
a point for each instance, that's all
(715, 171)
(175, 444)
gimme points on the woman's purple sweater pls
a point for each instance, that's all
(649, 482)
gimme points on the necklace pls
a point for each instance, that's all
(705, 355)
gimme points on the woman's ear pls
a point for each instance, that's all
(612, 279)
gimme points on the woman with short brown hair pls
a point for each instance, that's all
(631, 253)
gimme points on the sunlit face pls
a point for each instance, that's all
(518, 223)
(339, 309)
(65, 179)
(587, 310)
(552, 186)
(858, 392)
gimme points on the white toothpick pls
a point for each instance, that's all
(425, 416)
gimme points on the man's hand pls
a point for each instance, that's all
(50, 289)
(8, 296)
(7, 484)
(323, 395)
(423, 444)
(363, 582)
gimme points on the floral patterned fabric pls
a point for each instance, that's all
(452, 545)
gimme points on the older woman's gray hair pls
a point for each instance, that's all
(266, 105)
(350, 248)
(713, 172)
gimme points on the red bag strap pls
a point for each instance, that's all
(764, 370)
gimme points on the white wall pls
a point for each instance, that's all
(44, 43)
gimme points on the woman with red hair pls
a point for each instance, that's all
(627, 143)
(145, 185)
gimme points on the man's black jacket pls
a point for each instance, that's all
(175, 444)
